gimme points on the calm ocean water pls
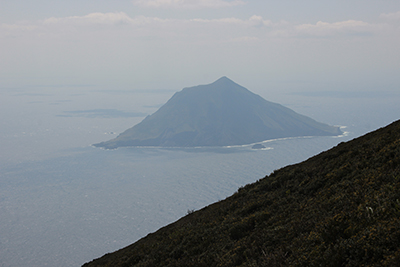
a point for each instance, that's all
(63, 202)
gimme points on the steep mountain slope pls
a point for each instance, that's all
(219, 114)
(339, 208)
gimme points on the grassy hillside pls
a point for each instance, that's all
(339, 208)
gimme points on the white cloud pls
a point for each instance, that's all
(153, 26)
(253, 28)
(95, 18)
(116, 18)
(391, 16)
(254, 21)
(223, 20)
(258, 21)
(18, 27)
(191, 4)
(324, 29)
(96, 46)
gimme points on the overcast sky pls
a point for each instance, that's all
(170, 44)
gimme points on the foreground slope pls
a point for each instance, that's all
(219, 114)
(339, 208)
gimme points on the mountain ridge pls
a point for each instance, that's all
(338, 208)
(222, 113)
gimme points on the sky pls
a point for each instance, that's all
(310, 45)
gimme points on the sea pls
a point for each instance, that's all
(64, 202)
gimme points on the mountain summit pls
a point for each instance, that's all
(222, 113)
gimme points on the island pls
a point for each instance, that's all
(222, 113)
